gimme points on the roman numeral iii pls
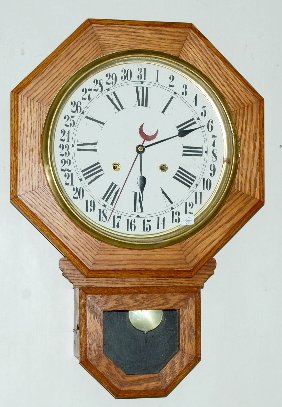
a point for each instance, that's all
(191, 151)
(185, 177)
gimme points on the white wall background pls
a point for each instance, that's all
(241, 303)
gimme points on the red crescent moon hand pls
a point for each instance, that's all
(145, 136)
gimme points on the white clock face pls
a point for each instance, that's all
(139, 149)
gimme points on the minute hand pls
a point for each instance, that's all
(181, 133)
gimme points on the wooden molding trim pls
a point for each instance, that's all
(71, 273)
(30, 193)
(93, 301)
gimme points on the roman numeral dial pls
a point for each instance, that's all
(139, 150)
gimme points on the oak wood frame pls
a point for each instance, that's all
(30, 193)
(107, 294)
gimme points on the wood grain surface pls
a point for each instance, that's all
(93, 301)
(97, 295)
(79, 280)
(30, 193)
(111, 278)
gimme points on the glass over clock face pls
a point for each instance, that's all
(139, 149)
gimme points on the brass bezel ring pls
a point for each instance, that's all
(162, 239)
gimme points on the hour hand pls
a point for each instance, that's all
(138, 196)
(141, 183)
(183, 133)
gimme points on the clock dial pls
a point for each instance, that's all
(139, 149)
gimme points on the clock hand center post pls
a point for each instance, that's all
(126, 179)
(140, 149)
(141, 181)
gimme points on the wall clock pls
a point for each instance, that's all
(137, 150)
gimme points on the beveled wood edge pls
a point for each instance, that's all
(189, 26)
(260, 136)
(128, 273)
(80, 29)
(22, 85)
(39, 224)
(140, 23)
(262, 150)
(258, 204)
(99, 274)
(197, 358)
(116, 392)
(187, 272)
(41, 67)
(85, 362)
(72, 274)
(13, 146)
(162, 386)
(46, 232)
(138, 273)
(106, 294)
(209, 44)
